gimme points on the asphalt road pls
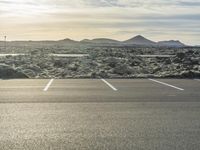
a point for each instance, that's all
(90, 114)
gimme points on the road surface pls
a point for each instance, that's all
(100, 114)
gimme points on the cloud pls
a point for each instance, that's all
(107, 3)
(190, 3)
(78, 18)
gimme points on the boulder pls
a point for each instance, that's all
(30, 73)
(7, 72)
(122, 70)
(190, 74)
(195, 61)
(180, 55)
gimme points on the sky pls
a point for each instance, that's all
(118, 19)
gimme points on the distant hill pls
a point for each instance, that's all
(100, 41)
(139, 40)
(171, 43)
(67, 40)
(136, 41)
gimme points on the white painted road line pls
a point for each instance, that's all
(167, 84)
(110, 85)
(48, 85)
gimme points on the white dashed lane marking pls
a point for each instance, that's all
(110, 85)
(48, 85)
(166, 84)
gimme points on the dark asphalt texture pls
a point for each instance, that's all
(88, 114)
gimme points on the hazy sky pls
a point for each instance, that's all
(118, 19)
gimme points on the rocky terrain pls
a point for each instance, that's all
(102, 62)
(105, 58)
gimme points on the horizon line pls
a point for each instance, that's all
(56, 40)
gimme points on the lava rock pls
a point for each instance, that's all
(7, 72)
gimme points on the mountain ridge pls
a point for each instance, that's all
(138, 40)
(100, 40)
(171, 43)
